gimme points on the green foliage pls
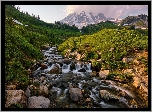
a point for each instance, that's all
(93, 28)
(124, 78)
(16, 106)
(99, 45)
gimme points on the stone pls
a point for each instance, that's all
(103, 74)
(78, 56)
(55, 70)
(93, 73)
(43, 66)
(29, 71)
(128, 71)
(72, 66)
(111, 49)
(107, 96)
(38, 102)
(15, 97)
(136, 82)
(75, 94)
(42, 79)
(28, 92)
(82, 70)
(43, 90)
(11, 87)
(124, 60)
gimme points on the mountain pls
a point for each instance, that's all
(83, 19)
(139, 21)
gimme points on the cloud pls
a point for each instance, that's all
(108, 10)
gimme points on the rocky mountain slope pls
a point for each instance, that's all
(83, 19)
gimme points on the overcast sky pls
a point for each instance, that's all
(52, 13)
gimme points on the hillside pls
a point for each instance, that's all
(25, 36)
(59, 66)
(139, 21)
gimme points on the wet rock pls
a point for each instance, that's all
(43, 66)
(72, 66)
(11, 87)
(93, 73)
(38, 102)
(82, 70)
(75, 94)
(103, 74)
(15, 97)
(66, 61)
(107, 96)
(43, 90)
(55, 70)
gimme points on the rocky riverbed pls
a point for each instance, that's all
(67, 83)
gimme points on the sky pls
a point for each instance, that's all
(52, 13)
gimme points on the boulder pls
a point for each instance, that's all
(107, 96)
(103, 74)
(15, 97)
(75, 94)
(55, 70)
(43, 66)
(38, 102)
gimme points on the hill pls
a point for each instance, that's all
(25, 36)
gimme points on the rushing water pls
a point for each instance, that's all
(77, 74)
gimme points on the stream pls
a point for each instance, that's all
(71, 85)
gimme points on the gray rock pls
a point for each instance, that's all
(28, 92)
(38, 102)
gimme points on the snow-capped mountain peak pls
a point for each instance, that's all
(83, 19)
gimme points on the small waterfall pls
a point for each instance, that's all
(78, 66)
(65, 68)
